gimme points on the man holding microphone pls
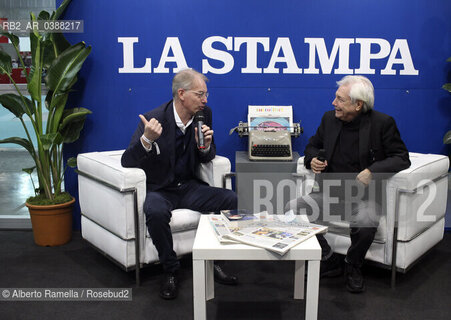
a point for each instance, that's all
(168, 147)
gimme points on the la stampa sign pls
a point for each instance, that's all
(394, 58)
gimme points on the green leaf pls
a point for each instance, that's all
(15, 105)
(57, 101)
(12, 37)
(29, 170)
(6, 66)
(48, 140)
(44, 15)
(61, 74)
(35, 76)
(448, 60)
(59, 43)
(447, 87)
(48, 99)
(59, 139)
(71, 132)
(72, 124)
(56, 107)
(74, 114)
(447, 138)
(56, 15)
(48, 53)
(33, 43)
(20, 141)
(34, 20)
(72, 162)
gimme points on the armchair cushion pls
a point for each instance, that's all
(105, 206)
(108, 215)
(419, 207)
(416, 197)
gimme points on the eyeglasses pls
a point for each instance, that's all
(200, 94)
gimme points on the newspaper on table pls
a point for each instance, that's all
(278, 233)
(238, 217)
(220, 228)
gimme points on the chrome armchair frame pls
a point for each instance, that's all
(136, 225)
(395, 240)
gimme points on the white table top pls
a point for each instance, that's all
(207, 247)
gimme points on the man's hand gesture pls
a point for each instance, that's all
(152, 128)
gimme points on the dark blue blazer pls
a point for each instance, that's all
(159, 168)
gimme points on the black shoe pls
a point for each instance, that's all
(354, 279)
(222, 277)
(331, 267)
(169, 288)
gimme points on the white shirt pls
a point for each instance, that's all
(179, 124)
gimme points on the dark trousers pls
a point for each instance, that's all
(189, 195)
(363, 218)
(361, 240)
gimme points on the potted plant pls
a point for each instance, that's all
(57, 63)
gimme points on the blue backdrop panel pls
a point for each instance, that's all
(419, 34)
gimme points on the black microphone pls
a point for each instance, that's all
(199, 119)
(321, 155)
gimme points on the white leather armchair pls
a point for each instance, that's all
(111, 200)
(414, 207)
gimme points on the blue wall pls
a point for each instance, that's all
(421, 108)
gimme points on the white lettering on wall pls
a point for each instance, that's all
(366, 56)
(317, 45)
(284, 45)
(129, 64)
(223, 50)
(405, 59)
(172, 43)
(251, 52)
(215, 54)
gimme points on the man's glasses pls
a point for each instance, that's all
(200, 94)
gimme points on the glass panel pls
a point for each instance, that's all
(20, 10)
(13, 10)
(10, 126)
(15, 185)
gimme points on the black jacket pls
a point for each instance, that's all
(159, 169)
(381, 149)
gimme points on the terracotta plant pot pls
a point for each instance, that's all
(52, 224)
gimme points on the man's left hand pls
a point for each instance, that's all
(365, 177)
(208, 135)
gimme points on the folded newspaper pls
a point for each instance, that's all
(278, 233)
(239, 217)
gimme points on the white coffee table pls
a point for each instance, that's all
(207, 248)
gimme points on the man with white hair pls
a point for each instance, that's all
(353, 140)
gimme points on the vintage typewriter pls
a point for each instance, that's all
(270, 129)
(270, 145)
